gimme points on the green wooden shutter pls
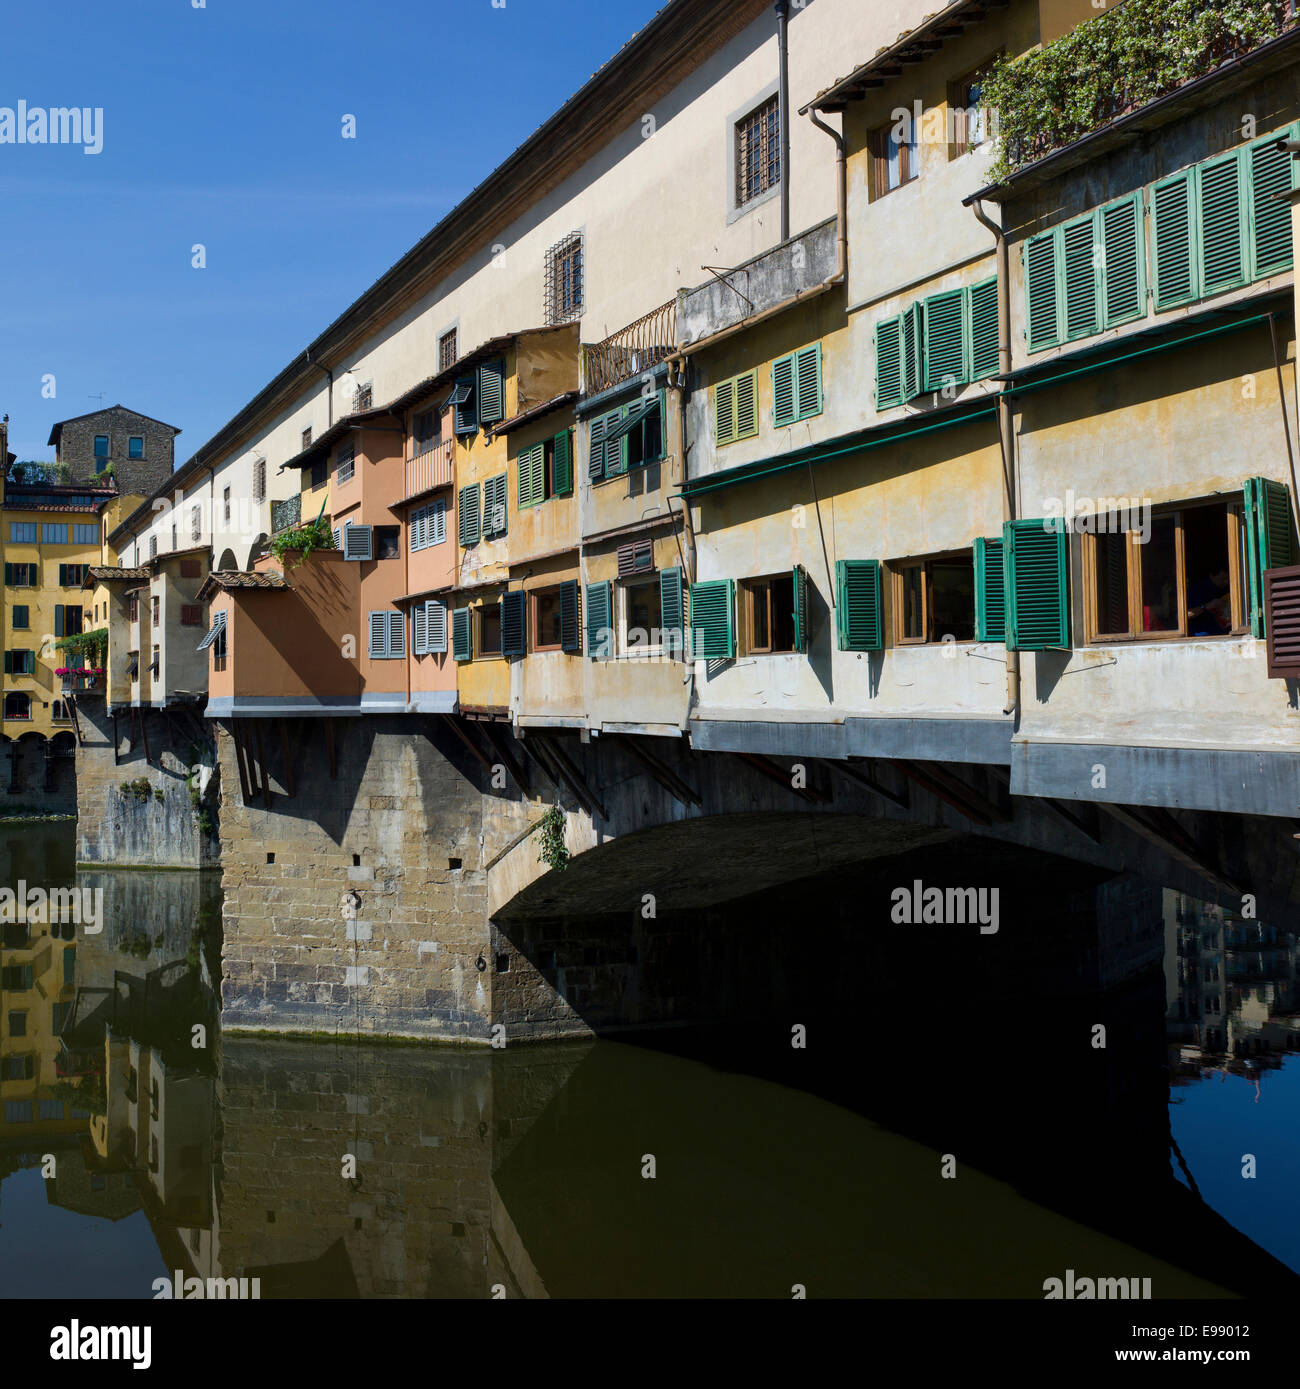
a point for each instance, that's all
(1042, 312)
(808, 381)
(467, 408)
(859, 611)
(9, 662)
(1036, 577)
(889, 363)
(985, 358)
(912, 335)
(491, 392)
(570, 630)
(1222, 224)
(783, 391)
(462, 630)
(747, 405)
(530, 471)
(1080, 272)
(599, 602)
(944, 340)
(713, 620)
(616, 449)
(562, 463)
(495, 507)
(9, 573)
(724, 413)
(672, 617)
(467, 515)
(1267, 505)
(1270, 173)
(58, 619)
(596, 449)
(63, 576)
(990, 591)
(514, 623)
(800, 575)
(1173, 233)
(1123, 264)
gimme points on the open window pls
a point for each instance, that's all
(774, 613)
(487, 618)
(934, 599)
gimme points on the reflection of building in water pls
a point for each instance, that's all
(1230, 986)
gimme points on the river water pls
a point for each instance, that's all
(940, 1146)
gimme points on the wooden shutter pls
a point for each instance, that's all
(416, 528)
(570, 628)
(58, 619)
(912, 334)
(562, 463)
(1123, 263)
(396, 645)
(358, 542)
(494, 507)
(491, 392)
(378, 636)
(944, 339)
(1080, 273)
(1282, 612)
(466, 416)
(985, 355)
(530, 476)
(808, 381)
(672, 615)
(889, 363)
(800, 577)
(724, 413)
(746, 405)
(713, 620)
(990, 591)
(514, 623)
(462, 645)
(1271, 173)
(1042, 311)
(63, 576)
(600, 620)
(616, 449)
(1173, 233)
(419, 630)
(9, 573)
(783, 391)
(1221, 225)
(1268, 539)
(437, 523)
(435, 619)
(636, 557)
(1036, 565)
(467, 515)
(596, 449)
(859, 611)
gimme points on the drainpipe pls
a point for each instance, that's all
(677, 384)
(841, 198)
(1006, 435)
(783, 134)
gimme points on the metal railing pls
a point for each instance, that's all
(432, 468)
(286, 513)
(631, 350)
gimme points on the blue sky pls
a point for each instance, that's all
(222, 126)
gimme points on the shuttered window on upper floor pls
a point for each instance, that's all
(797, 386)
(990, 591)
(713, 620)
(468, 520)
(1035, 558)
(735, 408)
(859, 606)
(495, 507)
(941, 342)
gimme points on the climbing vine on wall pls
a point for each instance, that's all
(1125, 58)
(551, 848)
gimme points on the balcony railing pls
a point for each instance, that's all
(285, 514)
(432, 468)
(631, 350)
(1124, 59)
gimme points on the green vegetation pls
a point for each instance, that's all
(1125, 58)
(551, 849)
(93, 644)
(141, 789)
(89, 1093)
(315, 535)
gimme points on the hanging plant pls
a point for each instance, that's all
(315, 535)
(551, 848)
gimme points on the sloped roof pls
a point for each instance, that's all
(224, 580)
(109, 574)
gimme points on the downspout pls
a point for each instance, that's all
(783, 90)
(677, 384)
(1006, 434)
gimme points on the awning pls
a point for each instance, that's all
(218, 626)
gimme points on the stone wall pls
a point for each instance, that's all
(134, 475)
(170, 824)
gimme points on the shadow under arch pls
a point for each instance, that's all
(227, 560)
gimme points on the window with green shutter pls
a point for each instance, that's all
(1123, 261)
(800, 576)
(1078, 259)
(530, 470)
(859, 611)
(514, 623)
(1272, 175)
(672, 611)
(797, 385)
(570, 617)
(713, 619)
(1035, 556)
(983, 309)
(495, 507)
(913, 334)
(735, 408)
(562, 463)
(1173, 240)
(889, 363)
(605, 455)
(949, 339)
(1042, 317)
(462, 400)
(783, 396)
(944, 324)
(467, 515)
(990, 591)
(491, 392)
(1221, 243)
(1269, 542)
(462, 627)
(599, 603)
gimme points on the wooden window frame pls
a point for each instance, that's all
(448, 350)
(534, 621)
(1236, 580)
(959, 105)
(763, 123)
(477, 640)
(897, 613)
(624, 587)
(748, 592)
(908, 162)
